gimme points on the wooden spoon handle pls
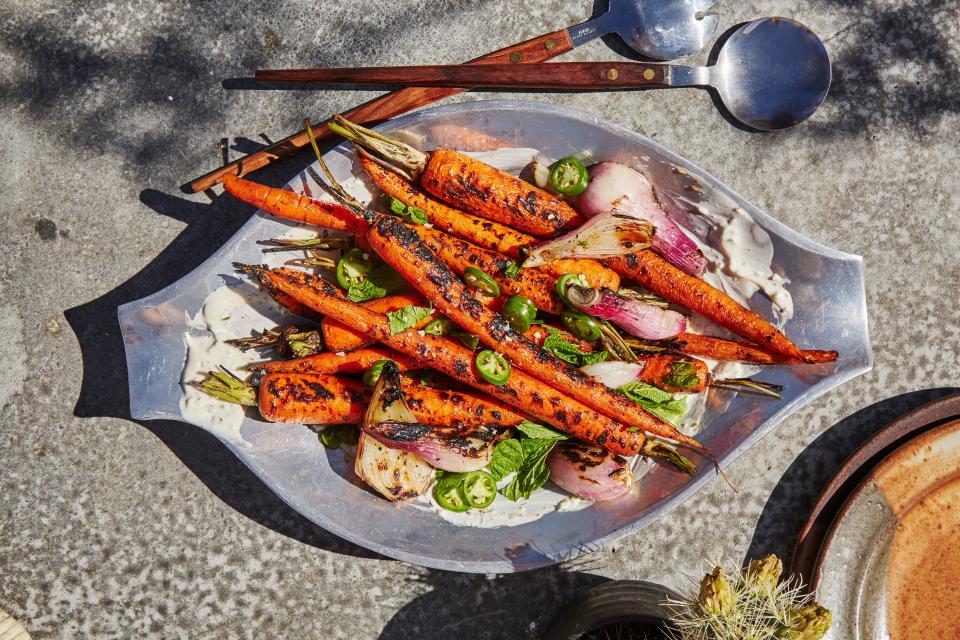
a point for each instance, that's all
(387, 106)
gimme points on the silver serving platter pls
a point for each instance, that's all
(829, 297)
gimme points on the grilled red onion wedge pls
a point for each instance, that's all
(589, 472)
(394, 473)
(616, 189)
(632, 315)
(445, 448)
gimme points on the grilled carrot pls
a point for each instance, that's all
(310, 398)
(292, 206)
(339, 337)
(720, 349)
(483, 233)
(479, 231)
(667, 281)
(402, 248)
(521, 391)
(470, 184)
(330, 363)
(658, 371)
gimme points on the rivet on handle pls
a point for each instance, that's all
(515, 57)
(648, 74)
(612, 74)
(550, 44)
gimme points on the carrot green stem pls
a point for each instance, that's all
(290, 244)
(748, 385)
(400, 155)
(654, 449)
(226, 386)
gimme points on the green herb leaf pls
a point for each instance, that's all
(417, 216)
(683, 375)
(512, 271)
(408, 213)
(507, 458)
(533, 473)
(657, 401)
(406, 317)
(539, 432)
(365, 291)
(568, 351)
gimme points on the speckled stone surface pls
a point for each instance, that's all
(113, 529)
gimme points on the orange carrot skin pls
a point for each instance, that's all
(597, 275)
(330, 363)
(667, 281)
(496, 195)
(657, 370)
(339, 337)
(521, 391)
(480, 231)
(459, 254)
(292, 206)
(310, 398)
(719, 349)
(402, 248)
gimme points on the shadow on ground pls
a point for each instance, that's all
(477, 607)
(104, 391)
(798, 489)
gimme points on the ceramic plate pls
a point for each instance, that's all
(888, 568)
(853, 472)
(828, 291)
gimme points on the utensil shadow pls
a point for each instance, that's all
(104, 389)
(477, 607)
(797, 491)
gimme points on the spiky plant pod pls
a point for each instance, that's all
(749, 604)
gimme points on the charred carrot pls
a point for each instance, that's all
(402, 248)
(480, 231)
(667, 281)
(521, 391)
(292, 206)
(339, 337)
(470, 184)
(310, 398)
(330, 363)
(729, 350)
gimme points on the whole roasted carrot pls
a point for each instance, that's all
(720, 349)
(330, 363)
(292, 206)
(469, 184)
(402, 248)
(483, 233)
(667, 281)
(339, 337)
(480, 231)
(521, 391)
(310, 398)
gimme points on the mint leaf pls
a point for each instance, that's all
(683, 375)
(365, 291)
(533, 473)
(537, 431)
(407, 212)
(512, 271)
(406, 317)
(657, 401)
(568, 351)
(469, 340)
(417, 216)
(507, 458)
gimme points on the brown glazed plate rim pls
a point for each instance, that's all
(830, 506)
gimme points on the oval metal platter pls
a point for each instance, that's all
(828, 289)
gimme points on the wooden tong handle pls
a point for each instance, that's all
(392, 104)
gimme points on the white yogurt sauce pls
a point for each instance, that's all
(739, 256)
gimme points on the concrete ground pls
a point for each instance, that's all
(114, 529)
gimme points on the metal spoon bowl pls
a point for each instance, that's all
(772, 73)
(656, 29)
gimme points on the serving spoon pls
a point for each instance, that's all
(657, 29)
(770, 74)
